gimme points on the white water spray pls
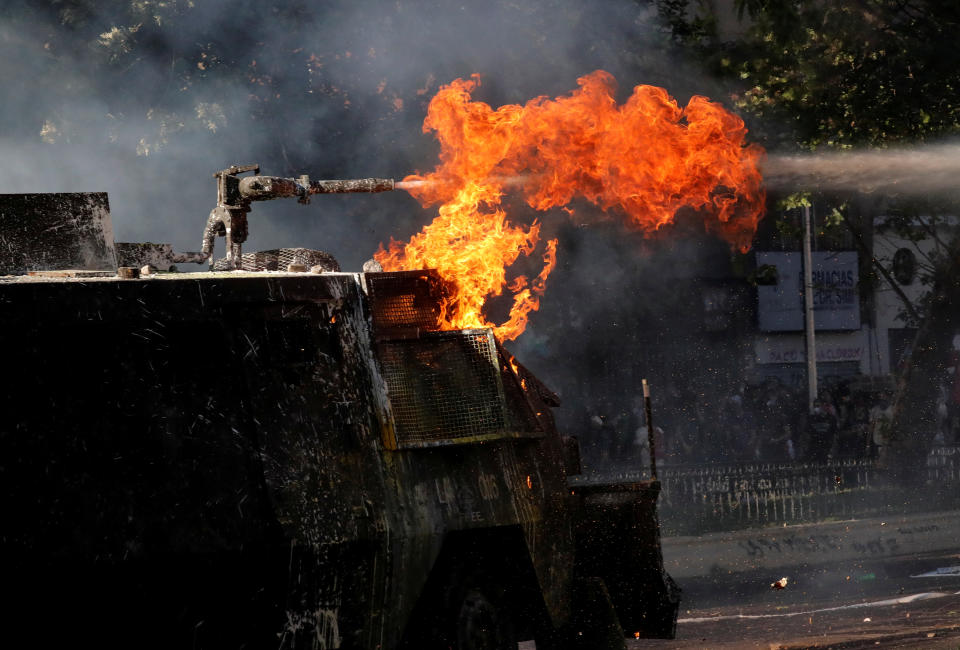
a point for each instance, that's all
(928, 169)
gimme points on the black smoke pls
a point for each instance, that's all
(145, 100)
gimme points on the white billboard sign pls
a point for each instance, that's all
(836, 297)
(791, 348)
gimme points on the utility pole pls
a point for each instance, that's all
(650, 437)
(808, 311)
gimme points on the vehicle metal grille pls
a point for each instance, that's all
(444, 386)
(404, 300)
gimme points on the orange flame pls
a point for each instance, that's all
(644, 159)
(516, 370)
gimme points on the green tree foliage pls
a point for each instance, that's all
(855, 74)
(835, 74)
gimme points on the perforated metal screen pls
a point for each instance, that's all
(444, 386)
(278, 259)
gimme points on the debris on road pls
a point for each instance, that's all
(940, 572)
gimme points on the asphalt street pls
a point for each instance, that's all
(879, 604)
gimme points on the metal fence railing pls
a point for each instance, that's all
(704, 497)
(752, 494)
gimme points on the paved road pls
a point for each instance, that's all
(870, 605)
(931, 620)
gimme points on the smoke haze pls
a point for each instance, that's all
(146, 100)
(147, 104)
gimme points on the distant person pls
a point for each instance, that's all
(851, 431)
(684, 441)
(642, 444)
(746, 442)
(779, 446)
(607, 438)
(828, 406)
(881, 417)
(598, 440)
(622, 450)
(591, 445)
(777, 430)
(822, 431)
(708, 437)
(730, 424)
(953, 401)
(791, 441)
(859, 441)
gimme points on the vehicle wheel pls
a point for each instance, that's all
(483, 625)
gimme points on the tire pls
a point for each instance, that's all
(461, 613)
(480, 623)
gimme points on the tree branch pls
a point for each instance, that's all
(858, 240)
(933, 233)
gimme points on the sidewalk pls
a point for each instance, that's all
(845, 542)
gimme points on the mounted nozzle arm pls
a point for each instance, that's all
(235, 194)
(265, 188)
